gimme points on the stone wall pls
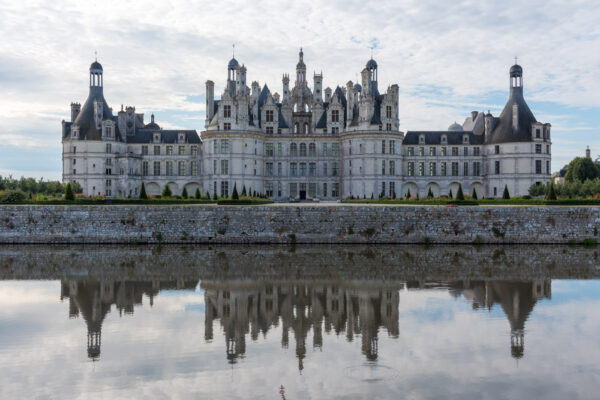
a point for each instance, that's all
(296, 224)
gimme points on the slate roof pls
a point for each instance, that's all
(503, 132)
(85, 118)
(435, 137)
(167, 136)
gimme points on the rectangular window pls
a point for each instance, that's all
(444, 153)
(169, 168)
(538, 166)
(224, 146)
(454, 169)
(181, 168)
(466, 169)
(269, 169)
(312, 169)
(227, 126)
(312, 150)
(335, 116)
(421, 168)
(293, 171)
(388, 127)
(279, 189)
(454, 151)
(269, 130)
(432, 169)
(302, 169)
(215, 167)
(392, 168)
(411, 169)
(269, 189)
(388, 111)
(410, 151)
(335, 149)
(269, 149)
(392, 189)
(156, 168)
(74, 171)
(194, 150)
(269, 116)
(335, 191)
(335, 130)
(169, 150)
(194, 167)
(476, 168)
(392, 147)
(157, 150)
(293, 190)
(324, 189)
(226, 111)
(325, 149)
(279, 149)
(421, 151)
(466, 151)
(432, 151)
(383, 147)
(497, 167)
(145, 168)
(224, 189)
(547, 149)
(324, 169)
(312, 190)
(334, 169)
(224, 167)
(538, 149)
(537, 133)
(108, 148)
(74, 149)
(279, 169)
(181, 150)
(443, 168)
(302, 149)
(144, 150)
(548, 167)
(382, 167)
(497, 149)
(215, 147)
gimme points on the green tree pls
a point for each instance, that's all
(143, 194)
(167, 191)
(215, 196)
(474, 195)
(551, 193)
(197, 195)
(207, 195)
(580, 169)
(450, 194)
(505, 194)
(184, 193)
(459, 193)
(69, 196)
(244, 190)
(408, 193)
(430, 194)
(235, 195)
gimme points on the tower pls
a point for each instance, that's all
(318, 87)
(286, 87)
(96, 77)
(300, 69)
(75, 109)
(371, 68)
(210, 101)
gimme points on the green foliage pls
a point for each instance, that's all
(215, 196)
(505, 194)
(430, 194)
(143, 194)
(371, 195)
(12, 196)
(69, 195)
(459, 193)
(474, 195)
(31, 187)
(197, 195)
(551, 192)
(167, 191)
(450, 194)
(207, 195)
(244, 190)
(581, 169)
(184, 193)
(235, 195)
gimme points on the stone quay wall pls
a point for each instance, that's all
(137, 224)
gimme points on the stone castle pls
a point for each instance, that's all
(305, 144)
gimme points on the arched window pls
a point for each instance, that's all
(312, 150)
(296, 128)
(305, 128)
(302, 149)
(293, 150)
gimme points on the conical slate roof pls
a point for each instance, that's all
(504, 132)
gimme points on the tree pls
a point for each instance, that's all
(505, 194)
(474, 195)
(244, 190)
(207, 195)
(430, 194)
(394, 194)
(408, 193)
(459, 193)
(184, 193)
(143, 194)
(69, 196)
(167, 191)
(215, 196)
(551, 193)
(235, 195)
(197, 194)
(450, 194)
(580, 169)
(372, 196)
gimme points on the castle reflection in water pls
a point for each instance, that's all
(249, 308)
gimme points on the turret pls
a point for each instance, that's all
(210, 101)
(241, 81)
(75, 109)
(328, 95)
(300, 69)
(489, 120)
(318, 87)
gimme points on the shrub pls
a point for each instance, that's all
(450, 194)
(12, 196)
(207, 195)
(551, 193)
(244, 190)
(143, 194)
(184, 193)
(430, 194)
(474, 195)
(167, 191)
(459, 193)
(505, 194)
(69, 196)
(407, 194)
(215, 196)
(235, 195)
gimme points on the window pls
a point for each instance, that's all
(312, 150)
(108, 148)
(383, 147)
(454, 169)
(476, 151)
(293, 169)
(294, 150)
(305, 128)
(538, 166)
(392, 168)
(538, 149)
(537, 133)
(388, 127)
(382, 167)
(454, 151)
(302, 169)
(74, 171)
(324, 189)
(181, 150)
(156, 168)
(215, 147)
(194, 150)
(144, 168)
(388, 111)
(279, 189)
(324, 169)
(215, 167)
(227, 127)
(74, 149)
(497, 149)
(421, 151)
(443, 168)
(496, 167)
(432, 169)
(181, 168)
(269, 116)
(312, 190)
(302, 149)
(465, 151)
(392, 189)
(194, 167)
(548, 167)
(145, 150)
(421, 168)
(169, 150)
(269, 189)
(312, 169)
(392, 147)
(293, 190)
(335, 191)
(279, 169)
(335, 130)
(269, 149)
(411, 169)
(476, 168)
(421, 139)
(334, 169)
(296, 127)
(410, 151)
(444, 152)
(109, 161)
(224, 146)
(279, 133)
(108, 132)
(224, 167)
(226, 111)
(269, 169)
(335, 116)
(335, 149)
(466, 169)
(269, 130)
(432, 151)
(279, 149)
(547, 149)
(169, 168)
(224, 189)
(495, 191)
(74, 161)
(325, 149)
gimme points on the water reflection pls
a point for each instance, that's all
(248, 308)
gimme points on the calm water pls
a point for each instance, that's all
(323, 322)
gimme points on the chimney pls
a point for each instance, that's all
(474, 115)
(588, 153)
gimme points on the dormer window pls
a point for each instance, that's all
(444, 139)
(421, 139)
(157, 138)
(465, 139)
(226, 111)
(269, 115)
(181, 137)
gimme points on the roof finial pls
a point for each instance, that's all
(371, 52)
(233, 51)
(96, 55)
(516, 59)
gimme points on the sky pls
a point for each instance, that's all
(448, 58)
